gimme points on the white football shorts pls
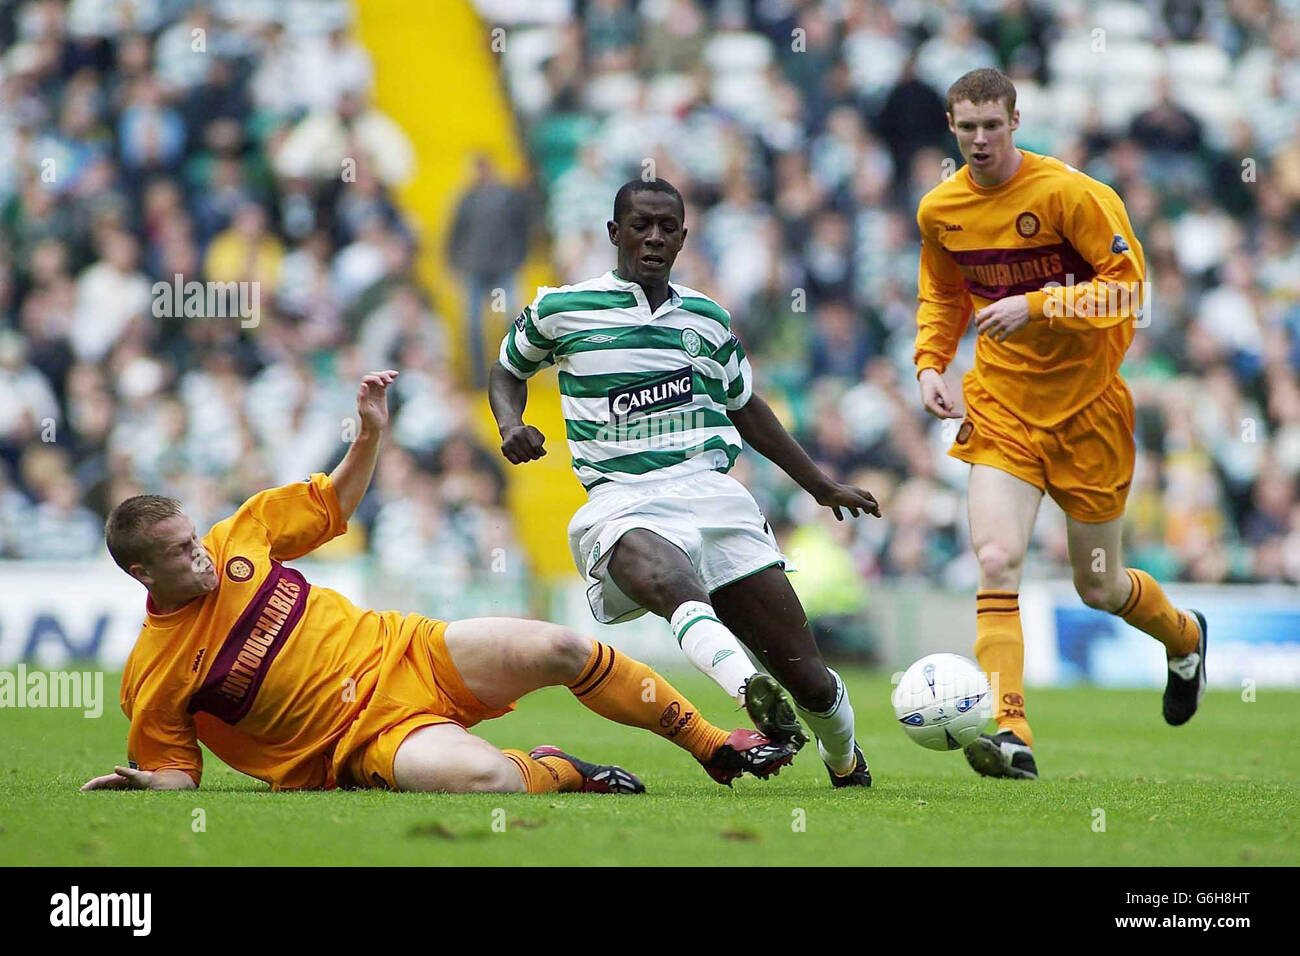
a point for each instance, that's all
(709, 515)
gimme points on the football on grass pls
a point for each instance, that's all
(943, 701)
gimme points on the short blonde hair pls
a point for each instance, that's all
(127, 530)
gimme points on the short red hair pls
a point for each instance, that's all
(985, 85)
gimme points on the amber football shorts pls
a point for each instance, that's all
(424, 688)
(1085, 463)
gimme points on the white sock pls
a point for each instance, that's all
(712, 648)
(834, 729)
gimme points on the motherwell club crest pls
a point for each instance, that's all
(239, 568)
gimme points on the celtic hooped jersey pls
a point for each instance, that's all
(645, 396)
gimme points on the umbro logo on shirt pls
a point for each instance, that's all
(600, 338)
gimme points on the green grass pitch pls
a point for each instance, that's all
(1224, 790)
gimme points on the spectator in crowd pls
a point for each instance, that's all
(802, 226)
(111, 294)
(28, 407)
(135, 158)
(487, 245)
(219, 142)
(1166, 126)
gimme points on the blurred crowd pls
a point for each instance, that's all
(237, 141)
(804, 132)
(232, 141)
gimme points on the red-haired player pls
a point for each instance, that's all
(1045, 259)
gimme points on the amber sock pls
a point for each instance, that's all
(624, 690)
(545, 774)
(1000, 649)
(1149, 610)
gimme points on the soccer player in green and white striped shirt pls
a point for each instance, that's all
(658, 401)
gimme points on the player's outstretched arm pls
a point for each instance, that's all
(126, 778)
(763, 431)
(508, 395)
(352, 476)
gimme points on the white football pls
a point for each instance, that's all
(943, 701)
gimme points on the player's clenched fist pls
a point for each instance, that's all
(935, 397)
(521, 443)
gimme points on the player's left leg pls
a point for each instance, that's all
(502, 659)
(1090, 467)
(764, 612)
(446, 758)
(660, 576)
(1103, 582)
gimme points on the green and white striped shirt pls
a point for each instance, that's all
(645, 396)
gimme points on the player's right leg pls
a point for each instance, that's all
(658, 576)
(1002, 509)
(502, 659)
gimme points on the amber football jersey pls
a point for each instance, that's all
(267, 670)
(1055, 235)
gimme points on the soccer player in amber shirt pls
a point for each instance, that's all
(297, 686)
(1045, 260)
